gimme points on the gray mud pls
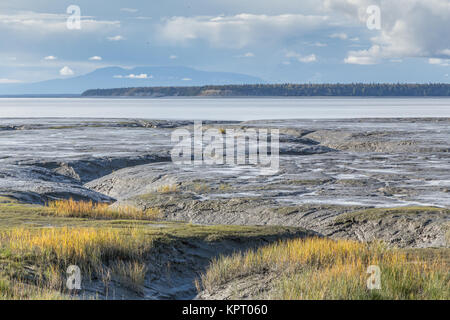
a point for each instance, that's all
(327, 168)
(174, 268)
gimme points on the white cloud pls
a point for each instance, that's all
(47, 23)
(246, 55)
(130, 10)
(409, 28)
(342, 36)
(440, 62)
(50, 58)
(116, 38)
(315, 44)
(173, 57)
(134, 76)
(308, 59)
(239, 30)
(66, 71)
(186, 79)
(300, 58)
(9, 81)
(364, 57)
(96, 58)
(445, 52)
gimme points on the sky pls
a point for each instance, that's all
(296, 41)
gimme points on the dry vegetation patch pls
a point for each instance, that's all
(89, 209)
(168, 188)
(318, 268)
(378, 213)
(38, 258)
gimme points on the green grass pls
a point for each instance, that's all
(379, 213)
(286, 211)
(14, 214)
(307, 181)
(353, 182)
(319, 268)
(36, 248)
(429, 254)
(91, 210)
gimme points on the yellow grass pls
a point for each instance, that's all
(169, 188)
(89, 209)
(201, 187)
(130, 274)
(224, 187)
(16, 290)
(85, 247)
(51, 250)
(318, 268)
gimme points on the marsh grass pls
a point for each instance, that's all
(378, 213)
(51, 250)
(89, 209)
(317, 268)
(36, 247)
(169, 188)
(130, 274)
(19, 290)
(86, 247)
(201, 187)
(225, 187)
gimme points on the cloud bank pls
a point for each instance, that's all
(239, 30)
(409, 28)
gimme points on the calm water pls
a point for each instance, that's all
(225, 109)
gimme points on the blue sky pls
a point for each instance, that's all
(279, 41)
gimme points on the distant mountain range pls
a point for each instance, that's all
(116, 77)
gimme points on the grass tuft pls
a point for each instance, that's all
(130, 274)
(85, 247)
(169, 188)
(89, 209)
(50, 251)
(378, 213)
(318, 268)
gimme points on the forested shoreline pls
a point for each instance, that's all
(283, 90)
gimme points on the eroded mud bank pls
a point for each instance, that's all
(328, 168)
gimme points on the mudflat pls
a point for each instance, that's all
(360, 179)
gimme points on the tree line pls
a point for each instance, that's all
(284, 90)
